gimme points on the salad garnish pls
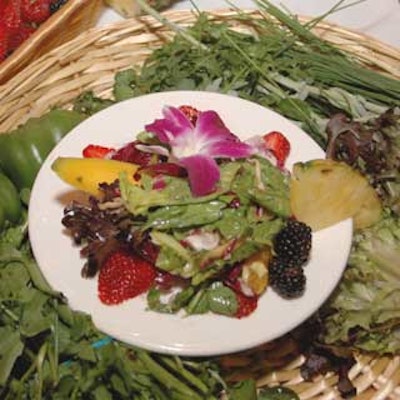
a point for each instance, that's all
(196, 143)
(191, 243)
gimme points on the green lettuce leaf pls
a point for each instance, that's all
(366, 306)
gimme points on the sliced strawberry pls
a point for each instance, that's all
(190, 112)
(124, 276)
(35, 11)
(246, 305)
(95, 151)
(278, 145)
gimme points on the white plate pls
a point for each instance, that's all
(202, 335)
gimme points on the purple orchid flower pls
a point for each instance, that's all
(196, 147)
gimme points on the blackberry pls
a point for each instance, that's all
(56, 5)
(275, 270)
(289, 282)
(292, 243)
(277, 266)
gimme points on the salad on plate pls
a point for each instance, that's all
(203, 222)
(189, 215)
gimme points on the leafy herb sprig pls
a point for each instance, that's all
(280, 63)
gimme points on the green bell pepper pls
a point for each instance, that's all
(10, 202)
(23, 150)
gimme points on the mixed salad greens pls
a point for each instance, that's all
(49, 351)
(206, 211)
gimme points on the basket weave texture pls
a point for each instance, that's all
(75, 17)
(90, 61)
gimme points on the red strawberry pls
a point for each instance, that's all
(3, 4)
(12, 16)
(4, 38)
(35, 11)
(190, 112)
(277, 143)
(16, 39)
(124, 276)
(95, 151)
(246, 305)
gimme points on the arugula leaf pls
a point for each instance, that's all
(125, 83)
(232, 224)
(89, 104)
(264, 232)
(185, 216)
(11, 347)
(221, 299)
(35, 317)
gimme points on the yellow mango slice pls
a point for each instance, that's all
(87, 173)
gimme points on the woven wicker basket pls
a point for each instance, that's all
(90, 62)
(75, 17)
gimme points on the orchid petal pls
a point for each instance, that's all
(203, 173)
(218, 140)
(209, 126)
(174, 124)
(229, 149)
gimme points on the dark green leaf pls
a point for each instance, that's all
(88, 104)
(244, 390)
(11, 348)
(222, 300)
(35, 317)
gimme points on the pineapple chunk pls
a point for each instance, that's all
(325, 192)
